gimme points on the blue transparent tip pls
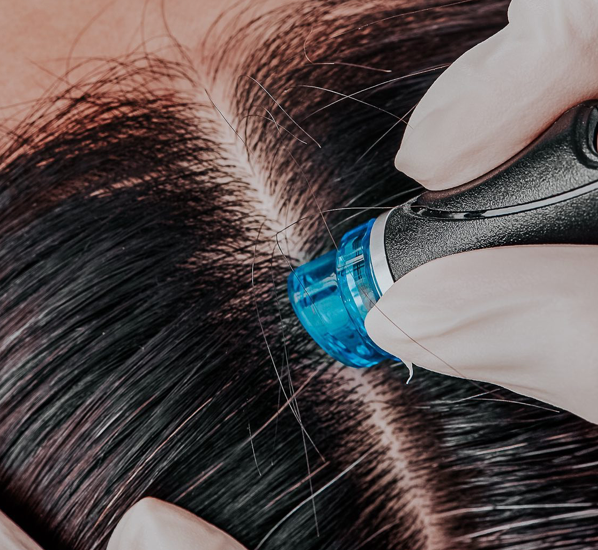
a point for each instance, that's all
(332, 295)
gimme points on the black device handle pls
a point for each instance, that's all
(546, 194)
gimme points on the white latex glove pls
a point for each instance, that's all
(523, 317)
(152, 524)
(12, 538)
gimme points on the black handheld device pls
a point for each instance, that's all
(546, 194)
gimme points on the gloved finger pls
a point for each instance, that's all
(499, 96)
(522, 317)
(12, 538)
(152, 524)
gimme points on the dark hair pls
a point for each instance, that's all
(146, 344)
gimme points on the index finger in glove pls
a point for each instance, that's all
(500, 95)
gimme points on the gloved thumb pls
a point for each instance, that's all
(522, 317)
(500, 95)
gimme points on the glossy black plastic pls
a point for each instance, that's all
(547, 194)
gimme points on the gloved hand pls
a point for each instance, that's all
(152, 524)
(522, 317)
(13, 538)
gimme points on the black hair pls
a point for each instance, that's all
(146, 344)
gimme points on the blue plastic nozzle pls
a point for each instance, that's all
(332, 295)
(547, 194)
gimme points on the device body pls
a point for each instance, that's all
(547, 194)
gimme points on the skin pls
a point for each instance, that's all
(38, 39)
(464, 138)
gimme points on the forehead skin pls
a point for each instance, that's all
(40, 40)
